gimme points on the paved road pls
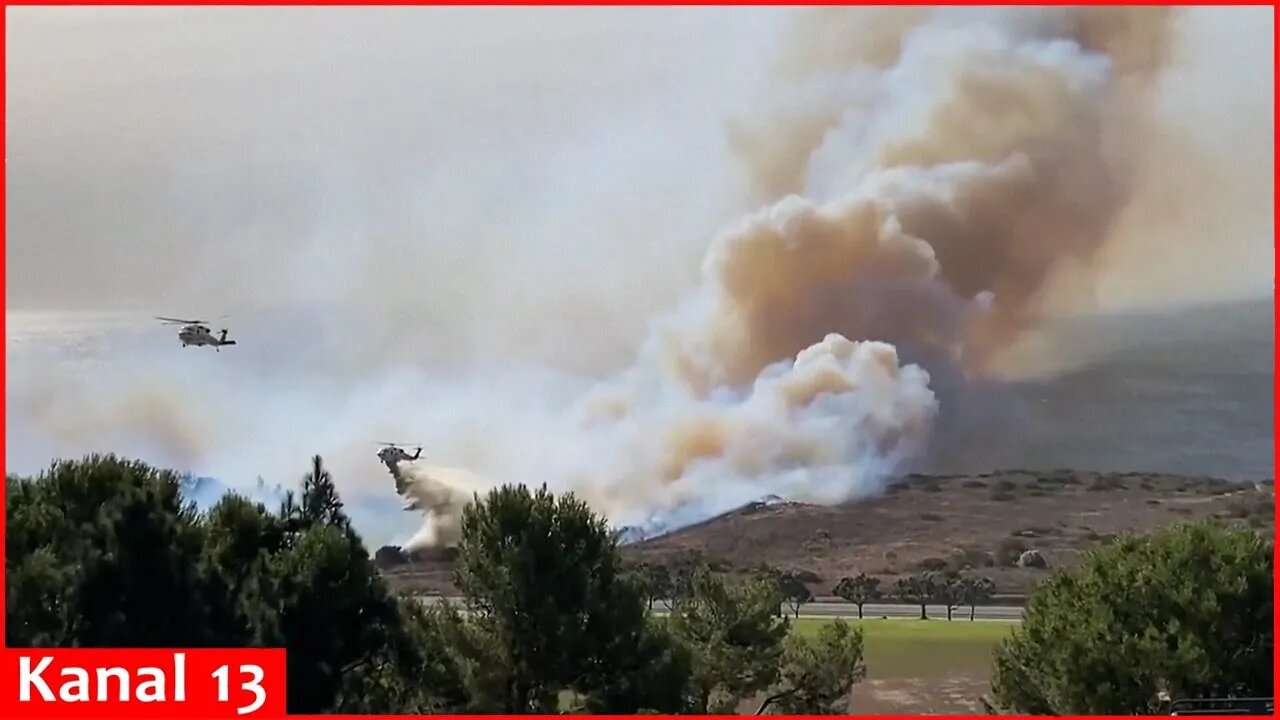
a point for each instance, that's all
(894, 610)
(876, 610)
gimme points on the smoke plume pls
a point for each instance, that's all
(945, 172)
(672, 324)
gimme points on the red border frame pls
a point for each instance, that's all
(135, 3)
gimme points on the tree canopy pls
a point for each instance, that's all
(94, 548)
(975, 590)
(1186, 611)
(553, 608)
(917, 589)
(103, 552)
(817, 674)
(859, 590)
(735, 635)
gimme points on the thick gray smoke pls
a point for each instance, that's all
(916, 190)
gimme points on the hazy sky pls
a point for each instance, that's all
(202, 161)
(216, 156)
(535, 189)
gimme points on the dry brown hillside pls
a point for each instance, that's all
(978, 521)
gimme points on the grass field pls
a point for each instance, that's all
(922, 666)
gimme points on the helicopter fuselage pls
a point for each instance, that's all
(392, 456)
(200, 335)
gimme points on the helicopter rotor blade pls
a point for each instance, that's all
(179, 321)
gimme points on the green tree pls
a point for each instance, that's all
(241, 540)
(552, 608)
(661, 584)
(303, 580)
(793, 591)
(320, 501)
(389, 556)
(975, 590)
(103, 552)
(334, 614)
(735, 636)
(652, 678)
(413, 673)
(948, 591)
(1186, 610)
(859, 590)
(654, 579)
(818, 673)
(916, 589)
(684, 567)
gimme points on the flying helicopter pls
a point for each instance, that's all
(392, 455)
(196, 332)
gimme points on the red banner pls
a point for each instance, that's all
(137, 683)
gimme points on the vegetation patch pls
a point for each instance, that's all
(1105, 483)
(930, 665)
(541, 574)
(1009, 551)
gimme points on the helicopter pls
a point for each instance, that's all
(196, 332)
(392, 455)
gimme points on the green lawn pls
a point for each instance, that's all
(923, 648)
(920, 667)
(931, 666)
(982, 631)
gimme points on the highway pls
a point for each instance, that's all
(897, 610)
(1007, 613)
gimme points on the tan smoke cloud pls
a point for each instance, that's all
(1198, 149)
(939, 172)
(180, 435)
(974, 159)
(821, 42)
(928, 183)
(1202, 202)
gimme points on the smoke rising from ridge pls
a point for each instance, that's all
(918, 189)
(938, 201)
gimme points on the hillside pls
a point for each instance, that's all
(980, 521)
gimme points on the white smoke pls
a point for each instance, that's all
(830, 426)
(948, 187)
(919, 187)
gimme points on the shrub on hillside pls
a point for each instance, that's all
(1008, 552)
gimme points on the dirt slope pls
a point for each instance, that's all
(978, 521)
